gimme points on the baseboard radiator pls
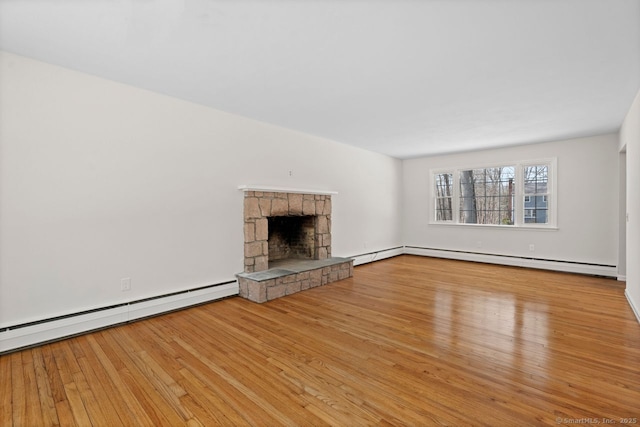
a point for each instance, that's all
(377, 255)
(543, 264)
(35, 333)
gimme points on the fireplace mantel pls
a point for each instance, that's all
(270, 189)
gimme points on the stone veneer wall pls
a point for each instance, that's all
(258, 206)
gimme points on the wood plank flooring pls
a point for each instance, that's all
(406, 341)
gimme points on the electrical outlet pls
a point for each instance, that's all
(125, 284)
(532, 247)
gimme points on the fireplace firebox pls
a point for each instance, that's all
(291, 237)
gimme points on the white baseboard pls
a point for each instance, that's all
(15, 338)
(622, 277)
(570, 267)
(634, 308)
(377, 256)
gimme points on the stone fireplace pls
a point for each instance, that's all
(282, 217)
(287, 244)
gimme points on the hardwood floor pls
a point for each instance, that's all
(406, 341)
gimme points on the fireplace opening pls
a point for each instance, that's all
(291, 237)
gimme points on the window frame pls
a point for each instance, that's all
(519, 203)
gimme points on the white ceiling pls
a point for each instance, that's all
(402, 77)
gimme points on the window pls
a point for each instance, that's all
(536, 180)
(486, 196)
(509, 195)
(444, 194)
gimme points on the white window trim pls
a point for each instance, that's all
(519, 224)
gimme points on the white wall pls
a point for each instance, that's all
(622, 214)
(587, 211)
(630, 139)
(101, 181)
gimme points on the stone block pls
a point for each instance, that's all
(256, 291)
(289, 279)
(261, 263)
(322, 224)
(309, 207)
(253, 249)
(343, 274)
(276, 291)
(305, 284)
(294, 287)
(262, 229)
(327, 207)
(251, 208)
(333, 276)
(315, 278)
(302, 276)
(249, 232)
(323, 253)
(295, 204)
(243, 287)
(265, 206)
(279, 207)
(319, 206)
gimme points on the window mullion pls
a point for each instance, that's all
(456, 197)
(519, 197)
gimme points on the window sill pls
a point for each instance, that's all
(498, 227)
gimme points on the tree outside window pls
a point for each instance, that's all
(444, 195)
(487, 196)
